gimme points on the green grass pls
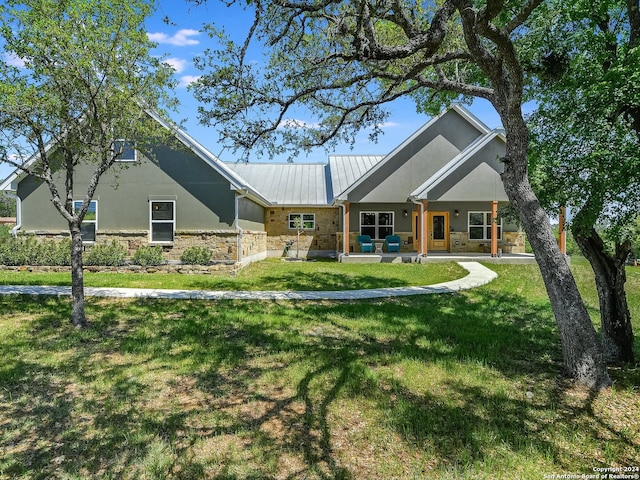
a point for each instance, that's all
(440, 386)
(272, 274)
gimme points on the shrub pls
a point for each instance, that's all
(108, 254)
(30, 251)
(148, 256)
(196, 255)
(54, 253)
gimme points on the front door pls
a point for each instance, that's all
(438, 231)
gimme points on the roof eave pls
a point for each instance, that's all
(236, 182)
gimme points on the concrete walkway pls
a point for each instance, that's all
(478, 275)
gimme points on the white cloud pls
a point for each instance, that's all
(388, 125)
(187, 80)
(178, 64)
(180, 39)
(13, 60)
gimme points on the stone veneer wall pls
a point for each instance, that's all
(321, 241)
(512, 242)
(254, 246)
(223, 243)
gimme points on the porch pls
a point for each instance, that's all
(437, 257)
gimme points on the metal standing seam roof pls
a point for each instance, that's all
(287, 183)
(347, 169)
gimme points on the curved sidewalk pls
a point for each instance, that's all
(478, 275)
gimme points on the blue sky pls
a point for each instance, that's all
(181, 39)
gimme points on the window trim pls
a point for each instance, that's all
(152, 222)
(126, 159)
(95, 222)
(302, 215)
(377, 225)
(486, 227)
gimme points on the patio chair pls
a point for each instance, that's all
(393, 243)
(366, 245)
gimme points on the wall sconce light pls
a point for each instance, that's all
(405, 214)
(456, 213)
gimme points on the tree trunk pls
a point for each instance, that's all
(583, 357)
(610, 276)
(78, 317)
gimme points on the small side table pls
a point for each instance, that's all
(379, 247)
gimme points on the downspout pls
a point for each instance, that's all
(419, 202)
(14, 230)
(236, 222)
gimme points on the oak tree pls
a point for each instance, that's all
(76, 81)
(345, 61)
(586, 153)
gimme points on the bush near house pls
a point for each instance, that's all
(108, 254)
(148, 256)
(196, 255)
(30, 251)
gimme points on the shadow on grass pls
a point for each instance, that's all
(189, 389)
(321, 281)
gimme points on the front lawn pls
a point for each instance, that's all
(438, 386)
(271, 274)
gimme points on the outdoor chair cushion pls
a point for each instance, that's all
(393, 243)
(366, 245)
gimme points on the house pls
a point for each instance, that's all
(438, 191)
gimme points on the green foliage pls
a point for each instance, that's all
(5, 232)
(7, 205)
(28, 250)
(108, 254)
(585, 149)
(148, 255)
(196, 255)
(318, 60)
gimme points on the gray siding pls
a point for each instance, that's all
(204, 199)
(416, 160)
(477, 179)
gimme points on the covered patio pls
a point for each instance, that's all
(438, 257)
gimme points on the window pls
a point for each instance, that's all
(125, 150)
(163, 221)
(480, 226)
(308, 221)
(376, 224)
(90, 223)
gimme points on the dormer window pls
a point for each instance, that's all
(125, 150)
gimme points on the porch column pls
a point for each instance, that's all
(562, 233)
(494, 228)
(345, 229)
(424, 228)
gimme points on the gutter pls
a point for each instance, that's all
(14, 230)
(242, 194)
